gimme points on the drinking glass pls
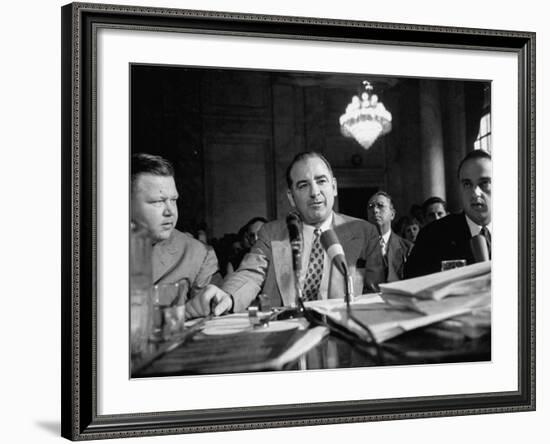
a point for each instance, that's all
(455, 263)
(168, 309)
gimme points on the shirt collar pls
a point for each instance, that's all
(386, 237)
(475, 228)
(326, 225)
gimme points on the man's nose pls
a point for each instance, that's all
(169, 208)
(314, 190)
(478, 191)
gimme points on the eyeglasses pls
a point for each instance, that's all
(378, 205)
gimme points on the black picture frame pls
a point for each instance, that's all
(80, 419)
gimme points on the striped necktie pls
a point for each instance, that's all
(314, 273)
(487, 235)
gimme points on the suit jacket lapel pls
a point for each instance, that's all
(284, 274)
(345, 235)
(164, 258)
(395, 254)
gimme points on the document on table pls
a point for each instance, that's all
(387, 320)
(460, 281)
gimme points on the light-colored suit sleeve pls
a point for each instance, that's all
(245, 283)
(208, 272)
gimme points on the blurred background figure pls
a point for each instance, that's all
(434, 208)
(201, 233)
(248, 234)
(415, 212)
(408, 228)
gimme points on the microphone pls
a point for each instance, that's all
(294, 225)
(334, 250)
(478, 244)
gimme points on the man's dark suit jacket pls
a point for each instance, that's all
(444, 239)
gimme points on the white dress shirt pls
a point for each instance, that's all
(475, 228)
(386, 237)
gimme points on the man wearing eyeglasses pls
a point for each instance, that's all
(394, 249)
(268, 267)
(450, 238)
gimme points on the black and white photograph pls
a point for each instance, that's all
(274, 221)
(288, 220)
(278, 221)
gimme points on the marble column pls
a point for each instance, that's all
(431, 140)
(454, 124)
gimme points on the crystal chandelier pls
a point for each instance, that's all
(365, 118)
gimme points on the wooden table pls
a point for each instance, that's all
(260, 350)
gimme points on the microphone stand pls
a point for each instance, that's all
(347, 299)
(298, 309)
(294, 225)
(297, 268)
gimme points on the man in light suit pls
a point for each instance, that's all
(268, 267)
(450, 237)
(176, 256)
(395, 249)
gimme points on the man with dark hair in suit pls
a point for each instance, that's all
(434, 208)
(394, 249)
(248, 235)
(176, 256)
(268, 267)
(450, 237)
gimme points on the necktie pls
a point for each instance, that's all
(383, 252)
(315, 268)
(383, 249)
(487, 234)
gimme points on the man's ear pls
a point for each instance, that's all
(290, 198)
(335, 186)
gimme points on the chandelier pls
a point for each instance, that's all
(365, 118)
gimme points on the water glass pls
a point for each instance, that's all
(455, 263)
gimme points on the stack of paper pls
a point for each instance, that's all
(415, 303)
(456, 282)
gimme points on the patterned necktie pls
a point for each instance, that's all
(315, 268)
(487, 235)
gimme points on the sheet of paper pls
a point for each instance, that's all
(458, 281)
